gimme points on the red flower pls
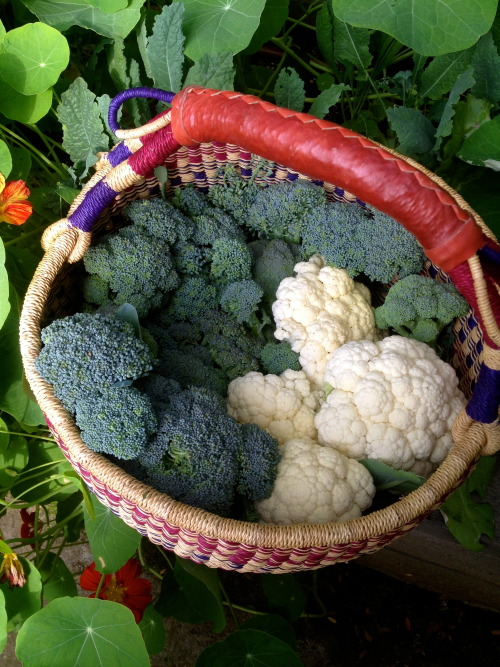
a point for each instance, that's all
(28, 525)
(13, 207)
(124, 586)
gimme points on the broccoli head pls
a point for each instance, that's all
(420, 307)
(194, 455)
(231, 260)
(241, 300)
(259, 458)
(86, 351)
(277, 357)
(215, 224)
(234, 195)
(116, 420)
(193, 297)
(273, 261)
(189, 370)
(190, 201)
(159, 219)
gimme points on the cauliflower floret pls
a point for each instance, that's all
(393, 400)
(283, 405)
(318, 310)
(316, 484)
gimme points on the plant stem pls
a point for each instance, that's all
(98, 589)
(42, 159)
(284, 47)
(229, 604)
(26, 435)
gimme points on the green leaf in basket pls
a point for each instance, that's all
(164, 48)
(284, 594)
(57, 580)
(387, 478)
(415, 131)
(81, 631)
(441, 73)
(482, 147)
(4, 285)
(83, 128)
(252, 648)
(486, 64)
(111, 541)
(153, 630)
(219, 25)
(5, 159)
(22, 602)
(328, 98)
(431, 28)
(32, 58)
(289, 90)
(466, 519)
(213, 70)
(62, 14)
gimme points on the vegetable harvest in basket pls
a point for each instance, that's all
(226, 356)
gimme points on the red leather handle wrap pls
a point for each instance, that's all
(327, 152)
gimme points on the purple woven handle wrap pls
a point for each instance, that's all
(118, 100)
(483, 406)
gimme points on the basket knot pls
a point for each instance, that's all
(80, 241)
(465, 427)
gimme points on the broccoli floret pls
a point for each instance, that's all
(279, 357)
(116, 420)
(241, 300)
(215, 224)
(191, 201)
(231, 348)
(277, 211)
(95, 291)
(194, 455)
(420, 307)
(273, 261)
(234, 195)
(86, 351)
(158, 389)
(137, 268)
(193, 297)
(159, 219)
(259, 458)
(189, 370)
(359, 241)
(231, 260)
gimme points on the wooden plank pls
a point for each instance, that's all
(431, 558)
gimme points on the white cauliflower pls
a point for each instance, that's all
(316, 484)
(283, 405)
(318, 310)
(393, 400)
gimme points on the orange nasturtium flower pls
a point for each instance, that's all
(14, 208)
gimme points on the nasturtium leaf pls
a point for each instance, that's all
(22, 602)
(351, 45)
(4, 286)
(21, 163)
(273, 624)
(482, 147)
(289, 91)
(466, 519)
(464, 81)
(441, 73)
(2, 32)
(219, 25)
(327, 99)
(415, 131)
(26, 109)
(387, 478)
(284, 594)
(108, 6)
(71, 506)
(21, 263)
(249, 648)
(190, 576)
(431, 28)
(57, 580)
(62, 14)
(81, 631)
(111, 541)
(153, 630)
(5, 159)
(213, 70)
(173, 602)
(32, 58)
(486, 64)
(4, 437)
(66, 192)
(3, 623)
(272, 20)
(14, 458)
(83, 130)
(165, 48)
(47, 479)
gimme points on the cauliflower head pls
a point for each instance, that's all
(318, 310)
(283, 405)
(392, 400)
(316, 484)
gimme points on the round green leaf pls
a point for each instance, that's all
(32, 57)
(4, 287)
(22, 602)
(24, 108)
(2, 32)
(431, 28)
(21, 163)
(248, 648)
(57, 580)
(3, 622)
(153, 630)
(81, 631)
(5, 159)
(108, 6)
(219, 25)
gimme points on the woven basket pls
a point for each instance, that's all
(202, 132)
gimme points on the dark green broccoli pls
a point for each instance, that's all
(273, 261)
(234, 195)
(259, 458)
(189, 258)
(361, 241)
(86, 351)
(241, 300)
(190, 201)
(215, 224)
(186, 368)
(420, 307)
(158, 389)
(159, 219)
(193, 297)
(95, 291)
(231, 260)
(115, 420)
(137, 268)
(279, 357)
